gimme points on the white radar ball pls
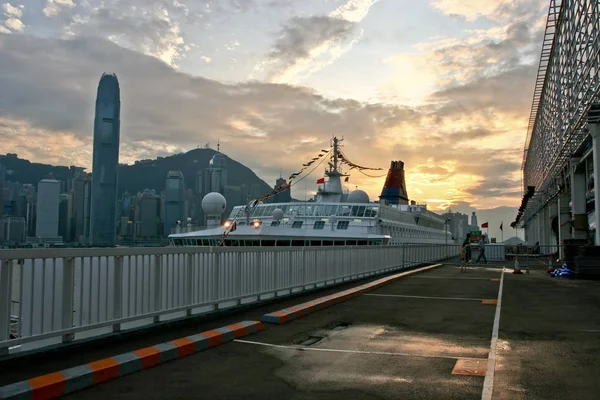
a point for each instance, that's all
(214, 204)
(358, 196)
(277, 214)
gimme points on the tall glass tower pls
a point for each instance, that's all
(103, 221)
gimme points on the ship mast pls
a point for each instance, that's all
(332, 190)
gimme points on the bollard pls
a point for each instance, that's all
(517, 267)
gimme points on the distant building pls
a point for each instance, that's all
(458, 225)
(47, 209)
(285, 195)
(64, 219)
(81, 197)
(103, 230)
(2, 180)
(174, 200)
(14, 229)
(148, 214)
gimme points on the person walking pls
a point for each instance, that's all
(482, 250)
(467, 248)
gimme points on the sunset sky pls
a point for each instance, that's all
(443, 85)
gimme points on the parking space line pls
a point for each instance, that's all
(450, 277)
(379, 353)
(488, 383)
(422, 297)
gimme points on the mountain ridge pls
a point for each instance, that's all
(143, 174)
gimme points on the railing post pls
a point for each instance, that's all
(403, 253)
(157, 285)
(118, 293)
(5, 285)
(68, 291)
(189, 296)
(275, 278)
(304, 271)
(216, 276)
(258, 273)
(238, 282)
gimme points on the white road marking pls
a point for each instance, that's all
(384, 353)
(422, 297)
(488, 383)
(449, 277)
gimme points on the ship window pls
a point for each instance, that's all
(319, 225)
(343, 224)
(350, 242)
(298, 243)
(284, 208)
(343, 211)
(275, 223)
(269, 243)
(329, 210)
(315, 243)
(339, 242)
(362, 242)
(297, 224)
(327, 243)
(371, 212)
(283, 243)
(234, 212)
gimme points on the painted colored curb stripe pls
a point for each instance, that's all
(70, 380)
(300, 310)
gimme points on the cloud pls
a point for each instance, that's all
(496, 10)
(11, 16)
(307, 44)
(54, 7)
(151, 27)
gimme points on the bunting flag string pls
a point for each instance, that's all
(282, 188)
(344, 159)
(372, 176)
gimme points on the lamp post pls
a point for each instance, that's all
(446, 227)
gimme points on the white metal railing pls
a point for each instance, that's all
(48, 296)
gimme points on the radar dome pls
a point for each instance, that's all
(214, 204)
(358, 196)
(277, 214)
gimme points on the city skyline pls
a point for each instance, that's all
(450, 95)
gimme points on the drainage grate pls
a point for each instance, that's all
(341, 326)
(311, 341)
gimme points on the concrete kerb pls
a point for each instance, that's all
(70, 380)
(300, 310)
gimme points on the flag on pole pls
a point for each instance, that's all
(484, 225)
(320, 180)
(501, 225)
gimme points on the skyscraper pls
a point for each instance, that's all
(48, 207)
(174, 200)
(103, 229)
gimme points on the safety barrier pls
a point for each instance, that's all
(49, 296)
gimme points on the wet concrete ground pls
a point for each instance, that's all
(400, 341)
(372, 347)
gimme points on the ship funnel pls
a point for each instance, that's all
(394, 190)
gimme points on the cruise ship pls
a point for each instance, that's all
(334, 218)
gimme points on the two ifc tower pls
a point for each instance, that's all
(105, 163)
